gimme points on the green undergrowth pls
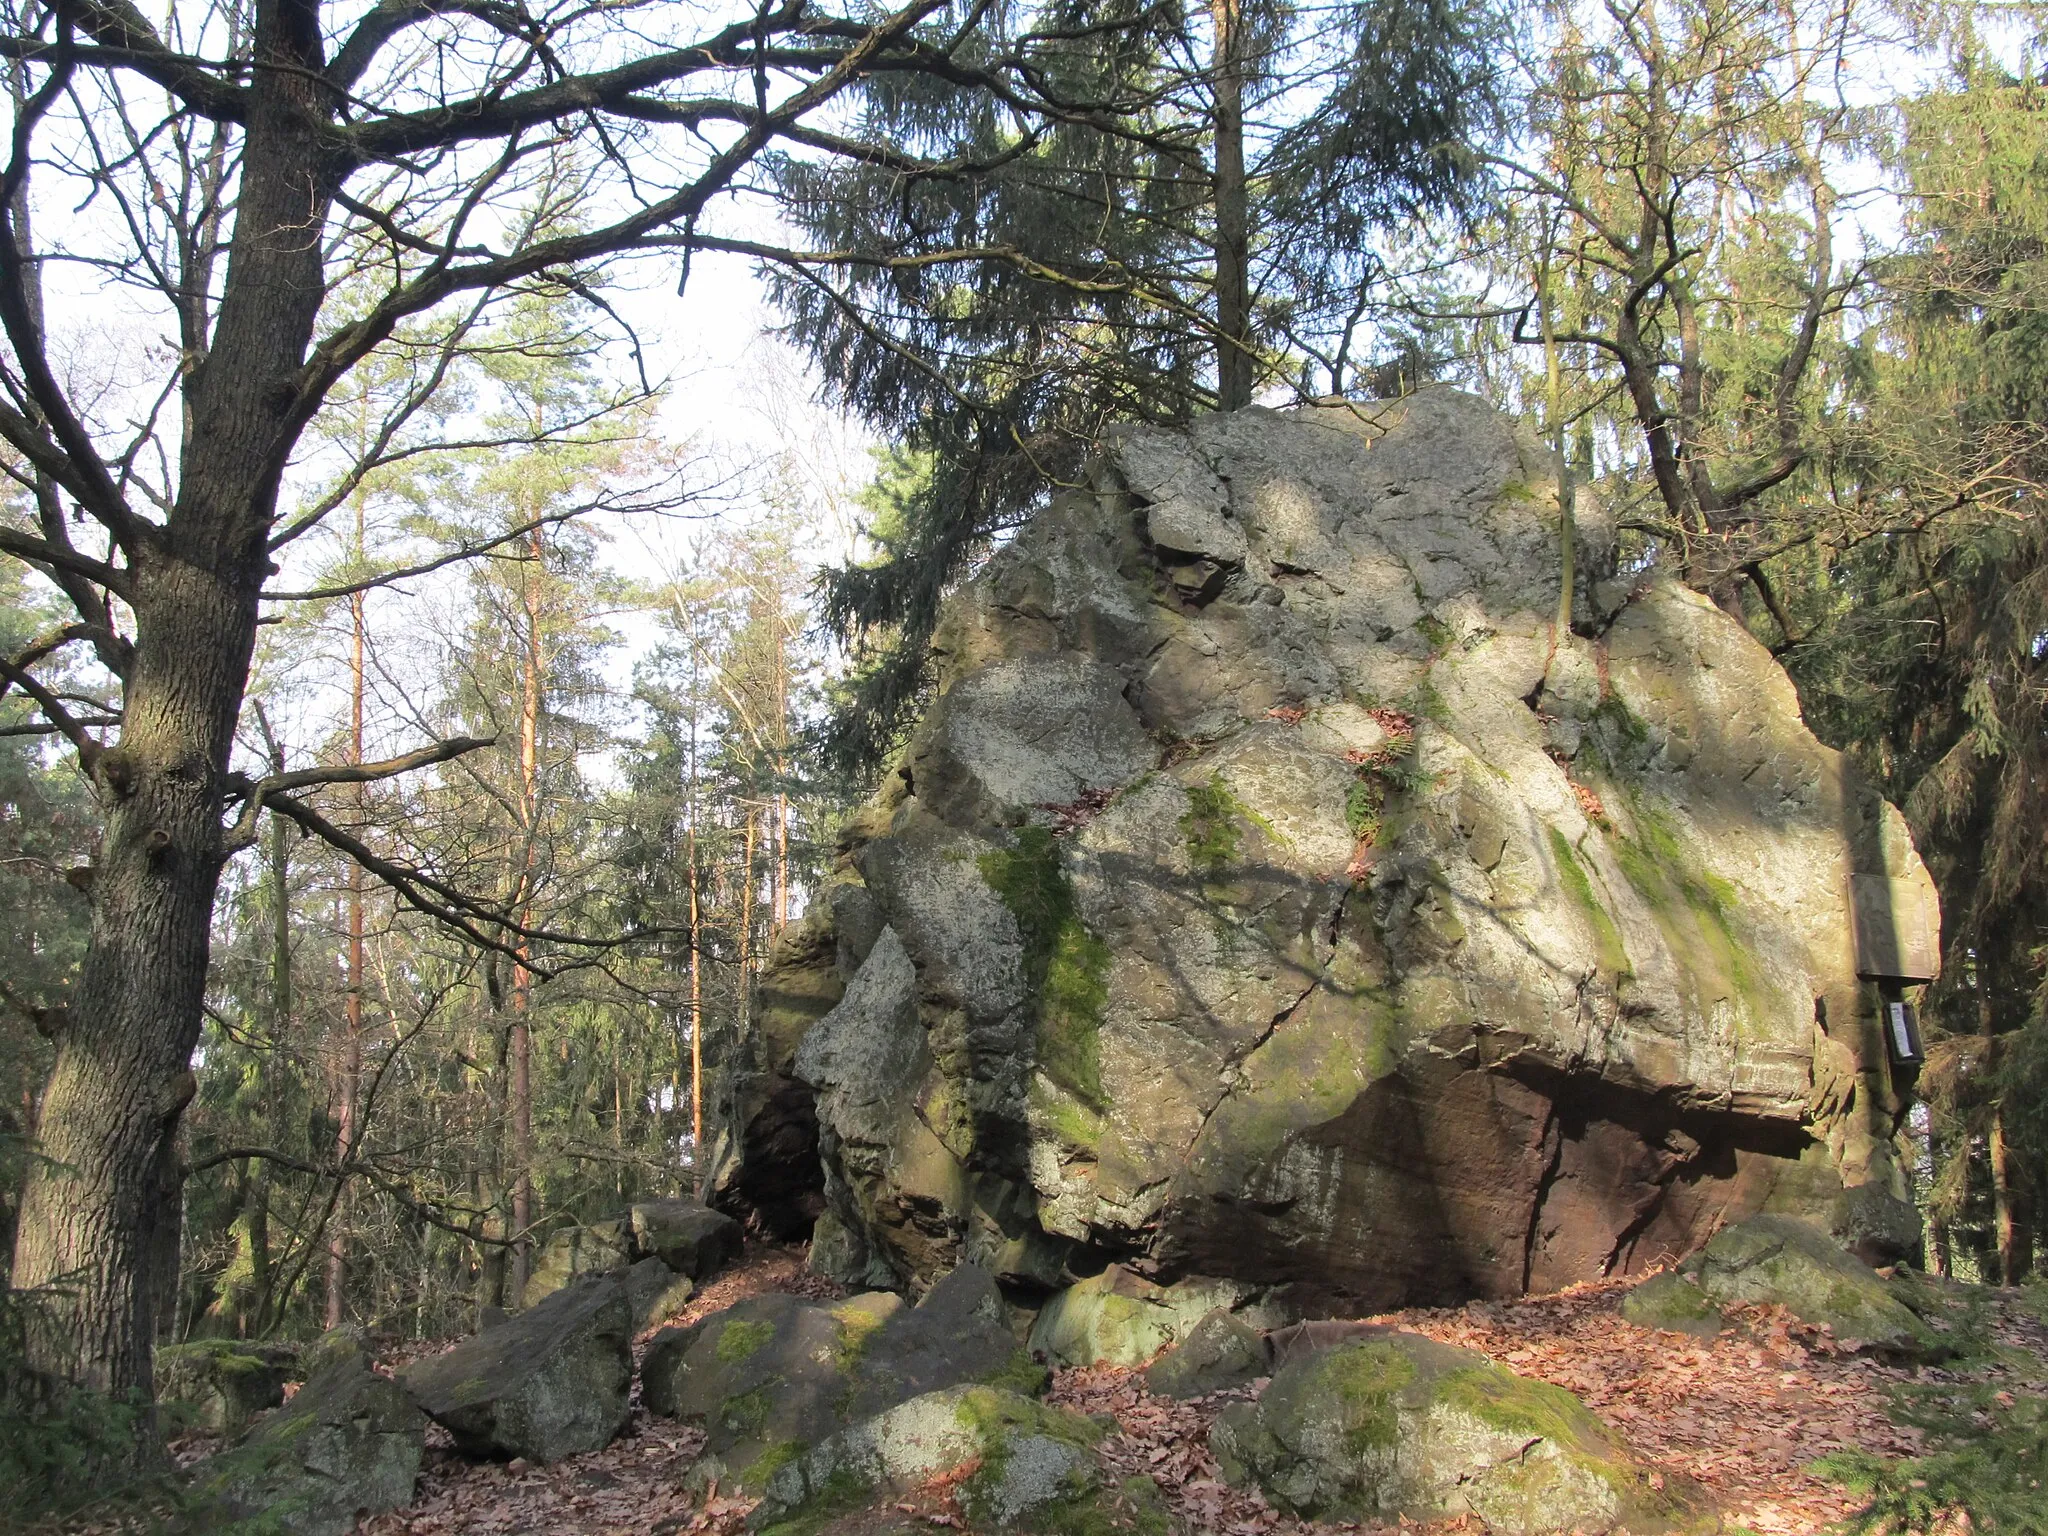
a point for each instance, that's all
(1388, 770)
(63, 1448)
(1985, 1429)
(1987, 1459)
(1065, 966)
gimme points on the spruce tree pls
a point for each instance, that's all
(1200, 221)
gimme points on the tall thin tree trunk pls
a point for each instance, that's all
(696, 959)
(1233, 235)
(522, 975)
(350, 1067)
(2011, 1229)
(747, 875)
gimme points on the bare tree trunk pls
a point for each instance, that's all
(2011, 1229)
(350, 1067)
(522, 977)
(747, 903)
(1233, 238)
(696, 993)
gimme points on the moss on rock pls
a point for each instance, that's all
(1394, 1425)
(1065, 966)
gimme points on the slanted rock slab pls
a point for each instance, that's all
(655, 1291)
(1783, 1261)
(1222, 1350)
(546, 1384)
(690, 1239)
(1394, 1425)
(349, 1443)
(774, 1375)
(221, 1384)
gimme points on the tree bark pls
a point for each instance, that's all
(92, 1203)
(1233, 239)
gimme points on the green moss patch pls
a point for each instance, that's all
(1020, 1374)
(1369, 1379)
(1695, 907)
(741, 1338)
(1065, 966)
(1210, 827)
(1579, 885)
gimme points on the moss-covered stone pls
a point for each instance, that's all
(1034, 1467)
(1394, 1425)
(545, 1384)
(220, 1384)
(1222, 1350)
(1121, 1318)
(1782, 1261)
(349, 1441)
(1674, 1303)
(776, 1371)
(1613, 952)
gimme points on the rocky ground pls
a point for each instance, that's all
(1744, 1415)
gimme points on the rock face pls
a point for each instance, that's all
(348, 1443)
(573, 1252)
(1782, 1262)
(1399, 1425)
(545, 1384)
(1270, 895)
(774, 1374)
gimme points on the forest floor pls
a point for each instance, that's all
(1743, 1415)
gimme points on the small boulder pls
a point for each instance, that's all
(774, 1375)
(348, 1444)
(1393, 1425)
(1222, 1350)
(1781, 1261)
(1120, 1318)
(690, 1239)
(548, 1383)
(1033, 1468)
(221, 1384)
(655, 1292)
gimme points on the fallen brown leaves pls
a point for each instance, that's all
(1742, 1414)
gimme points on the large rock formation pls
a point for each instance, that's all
(1270, 893)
